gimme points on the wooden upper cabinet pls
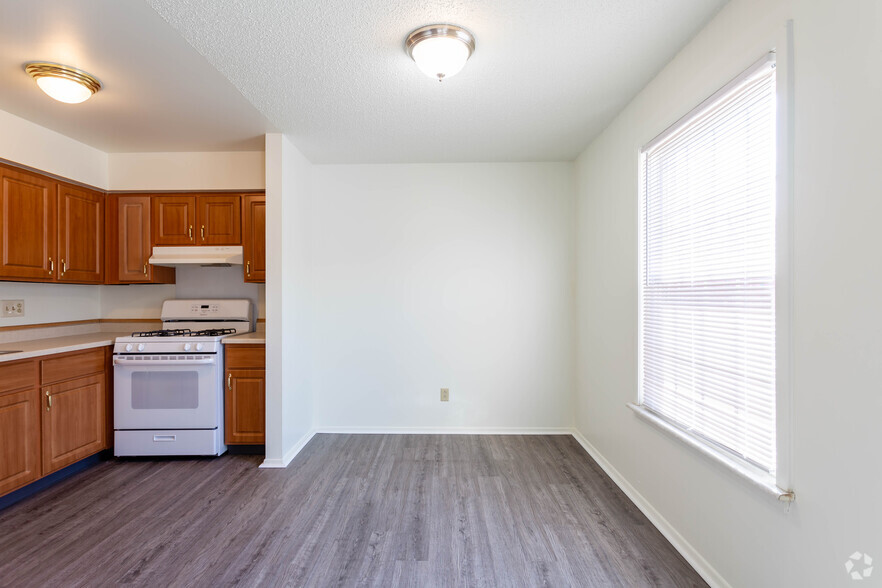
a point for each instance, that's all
(80, 235)
(27, 226)
(197, 219)
(174, 220)
(128, 242)
(254, 237)
(133, 218)
(220, 220)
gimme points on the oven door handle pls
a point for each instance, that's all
(163, 363)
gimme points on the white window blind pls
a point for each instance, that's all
(708, 271)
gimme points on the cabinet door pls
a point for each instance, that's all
(80, 235)
(19, 439)
(73, 421)
(27, 226)
(133, 217)
(174, 220)
(244, 407)
(254, 238)
(220, 220)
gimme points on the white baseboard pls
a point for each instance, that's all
(689, 553)
(290, 454)
(443, 431)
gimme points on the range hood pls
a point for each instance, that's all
(207, 256)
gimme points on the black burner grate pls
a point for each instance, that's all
(164, 333)
(185, 333)
(212, 332)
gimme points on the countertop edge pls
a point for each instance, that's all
(246, 339)
(56, 345)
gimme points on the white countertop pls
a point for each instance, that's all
(38, 347)
(252, 338)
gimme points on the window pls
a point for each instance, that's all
(708, 228)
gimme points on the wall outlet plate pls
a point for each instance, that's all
(445, 394)
(12, 308)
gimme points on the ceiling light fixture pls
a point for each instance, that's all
(440, 50)
(62, 82)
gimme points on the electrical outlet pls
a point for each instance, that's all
(445, 394)
(13, 308)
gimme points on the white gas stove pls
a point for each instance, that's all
(168, 384)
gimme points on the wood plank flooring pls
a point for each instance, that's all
(350, 510)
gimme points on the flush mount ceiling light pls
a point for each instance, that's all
(440, 50)
(62, 82)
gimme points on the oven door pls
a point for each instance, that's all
(166, 394)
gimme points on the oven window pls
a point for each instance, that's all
(165, 390)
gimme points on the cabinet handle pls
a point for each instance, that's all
(202, 232)
(48, 401)
(248, 268)
(51, 266)
(190, 232)
(145, 269)
(63, 268)
(230, 381)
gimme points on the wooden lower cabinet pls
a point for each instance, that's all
(53, 413)
(73, 421)
(245, 395)
(19, 439)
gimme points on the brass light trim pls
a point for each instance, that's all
(43, 69)
(439, 30)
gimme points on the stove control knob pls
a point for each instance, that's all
(199, 346)
(186, 347)
(140, 347)
(128, 346)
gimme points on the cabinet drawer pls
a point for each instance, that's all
(245, 356)
(72, 365)
(18, 375)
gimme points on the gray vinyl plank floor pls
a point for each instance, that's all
(350, 510)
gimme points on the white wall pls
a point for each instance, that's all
(26, 143)
(748, 538)
(442, 275)
(51, 303)
(145, 300)
(289, 412)
(243, 170)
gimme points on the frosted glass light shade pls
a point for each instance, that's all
(440, 51)
(63, 83)
(64, 90)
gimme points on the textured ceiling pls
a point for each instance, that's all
(546, 76)
(159, 95)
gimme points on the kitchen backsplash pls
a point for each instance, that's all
(54, 303)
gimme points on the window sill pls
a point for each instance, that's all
(759, 479)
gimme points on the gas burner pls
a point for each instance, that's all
(212, 333)
(164, 333)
